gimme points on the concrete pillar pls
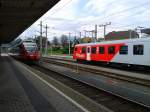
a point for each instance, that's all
(0, 49)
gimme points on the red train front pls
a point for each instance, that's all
(29, 51)
(26, 51)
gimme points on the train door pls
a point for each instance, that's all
(88, 57)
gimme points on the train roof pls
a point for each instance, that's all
(28, 41)
(144, 39)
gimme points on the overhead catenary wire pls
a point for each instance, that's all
(122, 11)
(113, 14)
(132, 15)
(116, 13)
(106, 8)
(58, 9)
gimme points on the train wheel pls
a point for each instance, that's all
(79, 61)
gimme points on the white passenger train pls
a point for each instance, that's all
(129, 51)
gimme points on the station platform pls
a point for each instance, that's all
(22, 90)
(17, 94)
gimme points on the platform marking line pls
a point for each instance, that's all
(51, 86)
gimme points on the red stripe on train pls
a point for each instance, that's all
(98, 57)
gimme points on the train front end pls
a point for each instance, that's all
(30, 52)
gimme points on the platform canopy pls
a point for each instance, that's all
(18, 15)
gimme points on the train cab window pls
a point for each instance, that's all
(101, 50)
(76, 49)
(111, 50)
(94, 50)
(83, 50)
(138, 49)
(123, 50)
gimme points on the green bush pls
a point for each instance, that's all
(58, 50)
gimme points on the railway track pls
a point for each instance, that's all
(104, 71)
(106, 99)
(133, 69)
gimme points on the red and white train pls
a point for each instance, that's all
(129, 51)
(26, 51)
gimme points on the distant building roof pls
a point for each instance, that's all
(118, 35)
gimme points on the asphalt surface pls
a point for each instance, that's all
(24, 90)
(17, 94)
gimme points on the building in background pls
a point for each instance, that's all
(118, 35)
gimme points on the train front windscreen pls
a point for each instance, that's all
(30, 47)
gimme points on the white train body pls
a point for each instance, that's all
(130, 51)
(136, 59)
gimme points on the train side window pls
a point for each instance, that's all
(101, 50)
(83, 50)
(111, 50)
(123, 50)
(94, 50)
(138, 49)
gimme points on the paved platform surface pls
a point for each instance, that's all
(22, 90)
(17, 94)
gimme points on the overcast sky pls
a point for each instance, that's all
(78, 15)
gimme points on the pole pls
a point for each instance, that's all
(51, 49)
(46, 40)
(35, 37)
(41, 38)
(69, 42)
(0, 49)
(80, 35)
(105, 25)
(130, 33)
(95, 33)
(85, 33)
(104, 31)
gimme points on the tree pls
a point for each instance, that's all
(76, 41)
(55, 41)
(86, 40)
(64, 40)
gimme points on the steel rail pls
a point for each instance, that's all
(88, 68)
(62, 78)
